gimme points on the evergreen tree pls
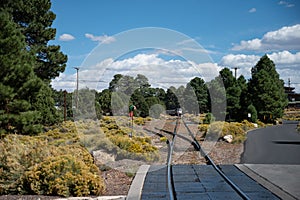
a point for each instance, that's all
(34, 19)
(104, 100)
(200, 89)
(113, 84)
(27, 66)
(142, 82)
(253, 113)
(233, 93)
(139, 101)
(171, 100)
(244, 98)
(123, 84)
(19, 86)
(59, 99)
(267, 90)
(45, 104)
(86, 105)
(160, 94)
(217, 98)
(190, 103)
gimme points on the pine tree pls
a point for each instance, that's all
(34, 19)
(198, 87)
(233, 93)
(139, 101)
(28, 64)
(104, 99)
(267, 90)
(217, 98)
(18, 83)
(171, 100)
(244, 98)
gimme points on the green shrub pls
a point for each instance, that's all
(209, 118)
(252, 110)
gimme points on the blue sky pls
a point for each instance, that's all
(234, 33)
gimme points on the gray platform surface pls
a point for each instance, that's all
(202, 181)
(283, 180)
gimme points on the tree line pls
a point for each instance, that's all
(261, 97)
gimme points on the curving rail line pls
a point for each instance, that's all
(197, 147)
(169, 162)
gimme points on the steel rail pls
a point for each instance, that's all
(169, 163)
(211, 162)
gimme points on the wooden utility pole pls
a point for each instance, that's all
(77, 86)
(235, 71)
(65, 105)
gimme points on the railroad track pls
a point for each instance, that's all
(180, 123)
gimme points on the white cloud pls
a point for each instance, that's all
(288, 35)
(88, 77)
(239, 60)
(286, 59)
(105, 39)
(161, 73)
(286, 4)
(252, 10)
(243, 62)
(165, 73)
(286, 38)
(64, 82)
(66, 37)
(254, 44)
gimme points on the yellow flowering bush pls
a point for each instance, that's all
(17, 154)
(64, 176)
(111, 134)
(31, 164)
(219, 129)
(203, 127)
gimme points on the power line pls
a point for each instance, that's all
(80, 80)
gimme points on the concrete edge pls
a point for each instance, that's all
(135, 190)
(265, 183)
(120, 197)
